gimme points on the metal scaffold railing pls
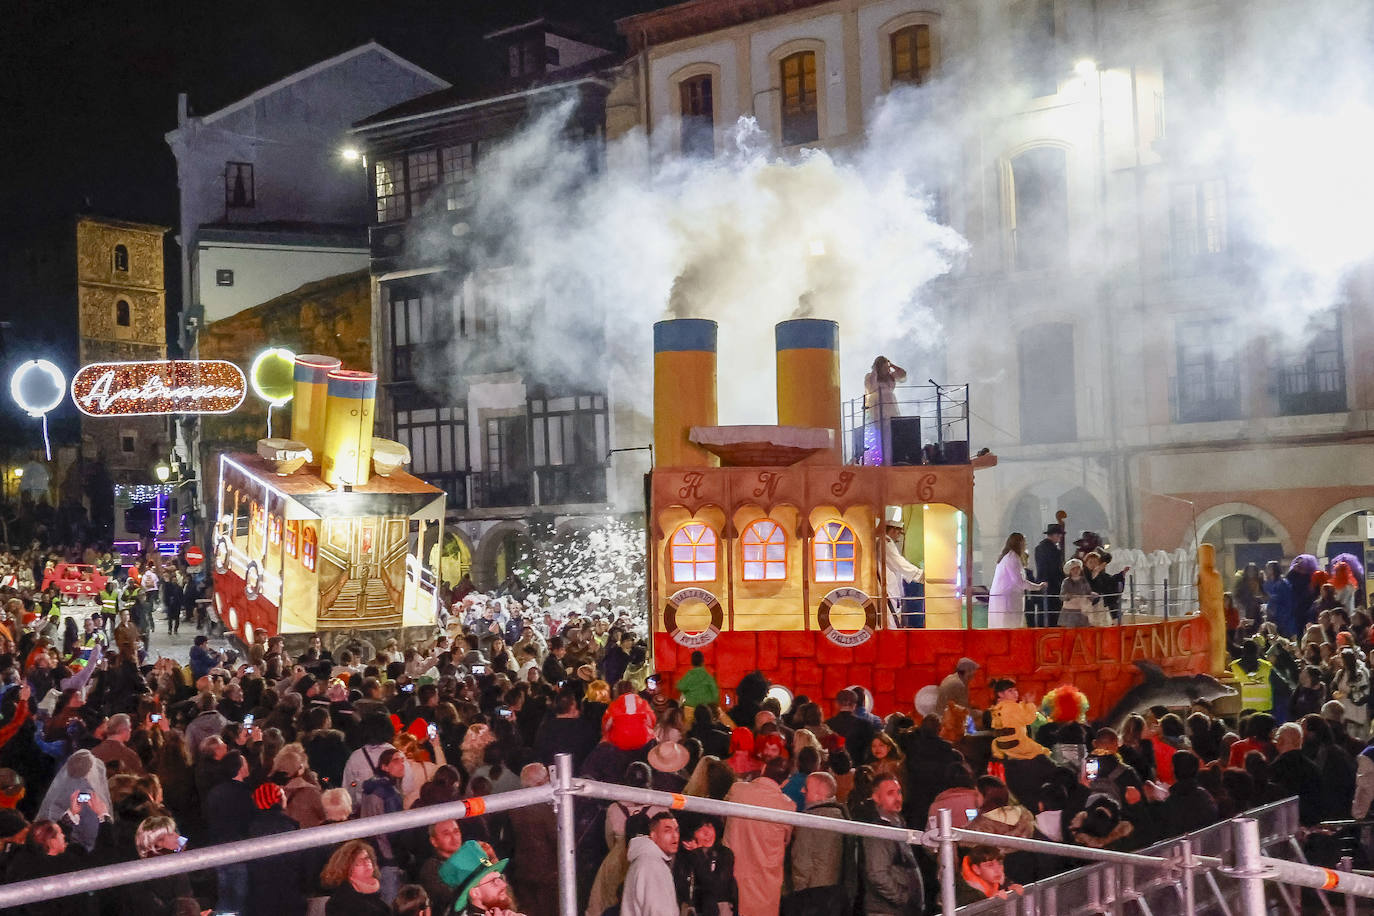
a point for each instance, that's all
(1175, 864)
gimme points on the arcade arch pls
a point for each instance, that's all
(499, 551)
(1242, 534)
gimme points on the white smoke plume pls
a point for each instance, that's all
(592, 250)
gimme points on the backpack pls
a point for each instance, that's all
(1110, 784)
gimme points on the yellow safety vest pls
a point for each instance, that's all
(1255, 692)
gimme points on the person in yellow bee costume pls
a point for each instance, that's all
(1010, 720)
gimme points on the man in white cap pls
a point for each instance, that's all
(898, 572)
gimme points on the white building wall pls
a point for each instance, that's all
(263, 272)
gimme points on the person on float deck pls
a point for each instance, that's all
(1050, 569)
(899, 572)
(1006, 601)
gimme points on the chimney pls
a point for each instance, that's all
(684, 390)
(808, 380)
(307, 404)
(348, 428)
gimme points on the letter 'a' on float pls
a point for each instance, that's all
(684, 390)
(38, 386)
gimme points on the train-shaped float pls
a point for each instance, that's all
(323, 532)
(767, 549)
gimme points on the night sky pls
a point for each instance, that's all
(90, 90)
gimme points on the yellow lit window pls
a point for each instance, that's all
(694, 553)
(765, 551)
(911, 54)
(293, 535)
(834, 550)
(309, 542)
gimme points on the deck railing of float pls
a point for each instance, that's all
(1241, 870)
(910, 425)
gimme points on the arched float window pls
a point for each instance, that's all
(694, 553)
(765, 551)
(293, 534)
(309, 541)
(834, 551)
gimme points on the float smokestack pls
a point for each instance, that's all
(684, 390)
(307, 404)
(809, 379)
(348, 428)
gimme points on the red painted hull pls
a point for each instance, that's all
(894, 664)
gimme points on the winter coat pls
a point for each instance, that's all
(891, 876)
(649, 888)
(759, 847)
(817, 855)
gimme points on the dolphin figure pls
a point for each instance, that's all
(1160, 689)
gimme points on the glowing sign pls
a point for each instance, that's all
(273, 375)
(37, 386)
(160, 387)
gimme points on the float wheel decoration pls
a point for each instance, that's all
(690, 598)
(853, 598)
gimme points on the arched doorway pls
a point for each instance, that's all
(455, 558)
(1241, 535)
(1345, 529)
(1035, 509)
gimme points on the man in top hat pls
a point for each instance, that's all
(1049, 568)
(900, 575)
(480, 882)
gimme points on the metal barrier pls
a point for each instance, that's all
(1102, 888)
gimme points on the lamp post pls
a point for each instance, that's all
(163, 471)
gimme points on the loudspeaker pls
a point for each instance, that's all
(906, 440)
(955, 451)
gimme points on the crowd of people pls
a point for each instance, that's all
(108, 755)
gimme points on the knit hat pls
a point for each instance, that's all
(267, 795)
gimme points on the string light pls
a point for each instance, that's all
(205, 386)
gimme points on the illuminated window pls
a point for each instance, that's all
(694, 553)
(911, 54)
(834, 550)
(274, 530)
(390, 175)
(293, 535)
(309, 540)
(765, 551)
(800, 114)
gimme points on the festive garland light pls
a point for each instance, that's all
(206, 386)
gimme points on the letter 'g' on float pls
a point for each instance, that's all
(809, 380)
(308, 407)
(684, 390)
(348, 428)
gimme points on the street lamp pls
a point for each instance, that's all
(163, 471)
(18, 472)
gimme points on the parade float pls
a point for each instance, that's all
(767, 550)
(323, 532)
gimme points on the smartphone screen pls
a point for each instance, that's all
(155, 717)
(248, 721)
(479, 669)
(971, 813)
(433, 731)
(181, 843)
(1090, 767)
(969, 726)
(83, 797)
(408, 688)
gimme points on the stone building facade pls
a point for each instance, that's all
(121, 317)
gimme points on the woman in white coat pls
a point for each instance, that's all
(1007, 598)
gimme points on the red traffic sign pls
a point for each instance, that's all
(194, 556)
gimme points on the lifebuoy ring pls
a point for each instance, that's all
(222, 555)
(683, 597)
(848, 595)
(252, 580)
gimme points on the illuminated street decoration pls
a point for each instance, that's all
(212, 386)
(272, 376)
(37, 386)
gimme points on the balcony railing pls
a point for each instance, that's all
(1217, 401)
(1303, 390)
(573, 484)
(911, 424)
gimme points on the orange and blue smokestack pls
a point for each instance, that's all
(809, 379)
(348, 428)
(311, 375)
(684, 389)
